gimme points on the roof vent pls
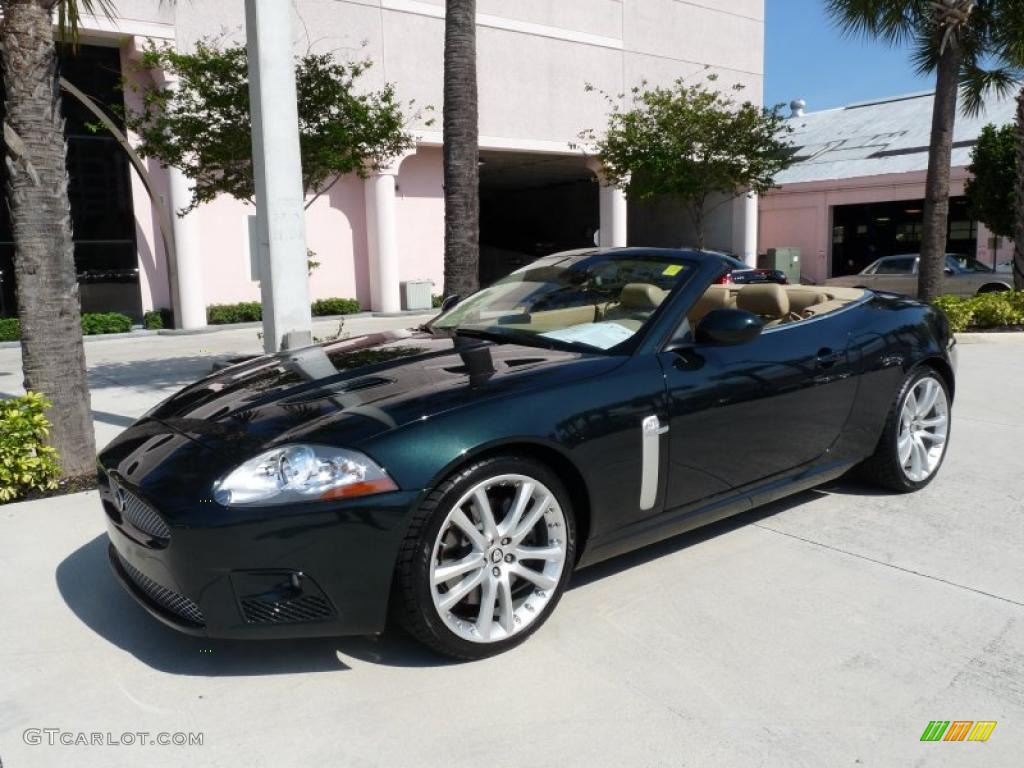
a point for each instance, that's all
(799, 107)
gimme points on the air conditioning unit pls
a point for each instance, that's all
(416, 294)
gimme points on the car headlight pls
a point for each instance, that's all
(297, 473)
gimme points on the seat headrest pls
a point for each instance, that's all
(766, 299)
(643, 296)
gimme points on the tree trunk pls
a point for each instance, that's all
(936, 195)
(461, 153)
(1018, 253)
(52, 353)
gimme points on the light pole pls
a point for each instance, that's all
(277, 168)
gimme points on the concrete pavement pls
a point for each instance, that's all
(824, 630)
(128, 376)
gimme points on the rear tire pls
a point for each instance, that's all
(916, 435)
(993, 288)
(502, 530)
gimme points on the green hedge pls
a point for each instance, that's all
(323, 307)
(10, 329)
(93, 323)
(155, 319)
(242, 312)
(26, 463)
(989, 310)
(251, 311)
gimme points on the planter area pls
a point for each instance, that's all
(1003, 311)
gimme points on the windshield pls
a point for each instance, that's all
(966, 264)
(598, 301)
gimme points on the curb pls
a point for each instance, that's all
(142, 332)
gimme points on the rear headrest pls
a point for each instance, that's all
(800, 298)
(767, 299)
(641, 296)
(715, 297)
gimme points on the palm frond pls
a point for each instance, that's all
(976, 83)
(891, 21)
(69, 16)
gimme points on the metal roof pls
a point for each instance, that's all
(880, 137)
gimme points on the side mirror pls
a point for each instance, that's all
(449, 302)
(949, 271)
(727, 327)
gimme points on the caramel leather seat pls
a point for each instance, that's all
(637, 302)
(715, 297)
(768, 300)
(803, 298)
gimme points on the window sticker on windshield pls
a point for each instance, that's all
(600, 335)
(672, 270)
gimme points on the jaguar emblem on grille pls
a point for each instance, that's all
(118, 493)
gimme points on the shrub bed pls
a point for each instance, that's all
(93, 323)
(10, 329)
(155, 319)
(989, 310)
(26, 463)
(242, 312)
(323, 307)
(251, 311)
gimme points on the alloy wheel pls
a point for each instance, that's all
(498, 558)
(924, 427)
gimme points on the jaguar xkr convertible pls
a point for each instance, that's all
(452, 478)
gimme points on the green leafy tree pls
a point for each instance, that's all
(201, 124)
(972, 47)
(52, 353)
(990, 190)
(691, 142)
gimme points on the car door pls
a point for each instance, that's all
(896, 274)
(738, 415)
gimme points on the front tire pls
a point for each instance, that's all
(487, 558)
(916, 435)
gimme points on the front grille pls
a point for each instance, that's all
(305, 608)
(137, 512)
(163, 596)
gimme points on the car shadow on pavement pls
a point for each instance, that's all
(91, 592)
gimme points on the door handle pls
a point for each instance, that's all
(826, 358)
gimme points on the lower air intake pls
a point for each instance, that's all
(304, 608)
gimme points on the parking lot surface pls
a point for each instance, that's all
(824, 630)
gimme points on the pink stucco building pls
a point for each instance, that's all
(856, 190)
(538, 191)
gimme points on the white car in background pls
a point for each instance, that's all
(965, 276)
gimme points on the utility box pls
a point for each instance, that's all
(786, 260)
(416, 294)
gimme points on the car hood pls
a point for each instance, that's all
(355, 389)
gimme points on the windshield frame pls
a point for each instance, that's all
(695, 263)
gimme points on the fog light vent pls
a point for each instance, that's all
(284, 611)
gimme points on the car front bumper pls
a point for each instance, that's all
(325, 572)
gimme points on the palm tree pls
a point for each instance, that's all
(461, 154)
(955, 39)
(52, 353)
(1018, 254)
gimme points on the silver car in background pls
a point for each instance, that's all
(964, 276)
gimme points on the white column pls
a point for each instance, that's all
(277, 166)
(382, 236)
(187, 281)
(612, 210)
(744, 228)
